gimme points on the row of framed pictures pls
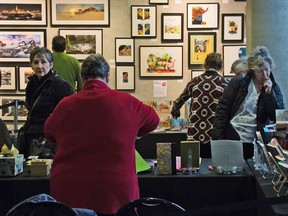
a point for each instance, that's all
(63, 13)
(199, 17)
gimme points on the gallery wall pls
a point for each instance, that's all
(120, 27)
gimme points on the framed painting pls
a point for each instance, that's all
(195, 73)
(15, 46)
(7, 113)
(144, 21)
(172, 27)
(23, 13)
(125, 78)
(202, 16)
(230, 54)
(80, 13)
(161, 61)
(232, 28)
(163, 2)
(8, 81)
(23, 74)
(124, 50)
(83, 42)
(199, 46)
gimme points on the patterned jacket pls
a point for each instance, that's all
(205, 91)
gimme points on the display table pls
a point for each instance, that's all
(199, 190)
(264, 189)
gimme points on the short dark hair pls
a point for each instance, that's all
(213, 60)
(94, 66)
(58, 43)
(41, 52)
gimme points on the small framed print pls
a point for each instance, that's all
(200, 45)
(80, 13)
(7, 114)
(83, 42)
(144, 21)
(230, 54)
(195, 73)
(8, 81)
(172, 27)
(163, 2)
(124, 50)
(202, 16)
(125, 78)
(232, 28)
(23, 74)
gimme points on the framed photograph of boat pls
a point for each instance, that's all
(23, 13)
(80, 13)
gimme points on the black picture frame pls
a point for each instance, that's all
(232, 28)
(172, 27)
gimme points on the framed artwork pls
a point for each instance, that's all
(161, 61)
(23, 74)
(199, 46)
(124, 50)
(15, 46)
(159, 2)
(83, 42)
(80, 13)
(23, 13)
(125, 77)
(8, 81)
(202, 16)
(230, 54)
(172, 27)
(7, 114)
(232, 28)
(195, 73)
(144, 21)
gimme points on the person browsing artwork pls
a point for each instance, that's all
(94, 166)
(249, 102)
(205, 91)
(43, 92)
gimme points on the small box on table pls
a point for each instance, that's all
(11, 165)
(166, 158)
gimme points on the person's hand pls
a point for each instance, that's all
(267, 84)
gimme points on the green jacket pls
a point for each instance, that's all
(68, 68)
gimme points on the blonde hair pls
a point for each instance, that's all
(258, 57)
(239, 67)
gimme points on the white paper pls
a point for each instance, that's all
(160, 88)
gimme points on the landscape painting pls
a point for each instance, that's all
(17, 45)
(88, 12)
(17, 13)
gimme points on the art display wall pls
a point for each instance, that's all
(144, 41)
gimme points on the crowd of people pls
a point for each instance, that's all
(67, 103)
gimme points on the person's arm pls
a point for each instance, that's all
(63, 89)
(178, 103)
(78, 77)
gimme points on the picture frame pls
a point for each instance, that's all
(143, 21)
(124, 50)
(7, 114)
(11, 50)
(233, 28)
(82, 42)
(125, 77)
(80, 13)
(29, 13)
(8, 81)
(196, 72)
(230, 54)
(161, 2)
(202, 16)
(161, 61)
(23, 74)
(199, 46)
(172, 27)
